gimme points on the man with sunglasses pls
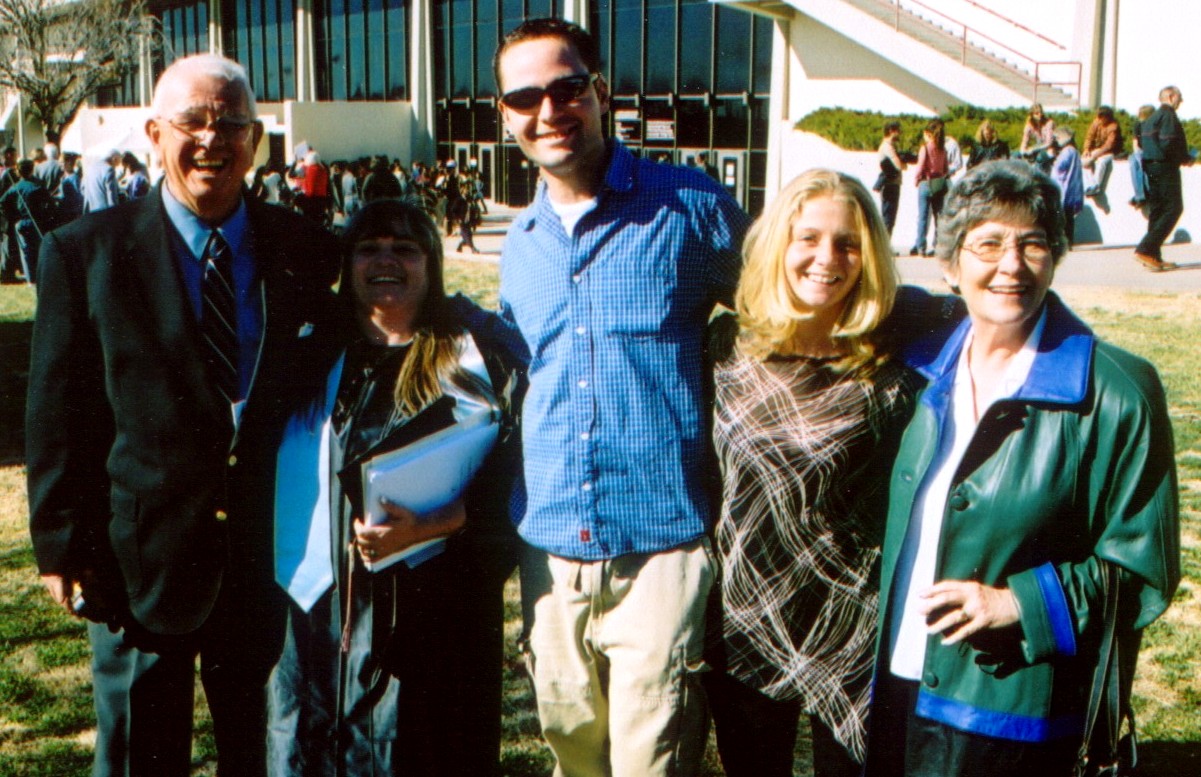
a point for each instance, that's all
(169, 332)
(609, 277)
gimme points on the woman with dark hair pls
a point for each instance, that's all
(135, 183)
(1037, 470)
(398, 670)
(809, 409)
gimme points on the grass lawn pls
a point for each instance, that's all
(46, 725)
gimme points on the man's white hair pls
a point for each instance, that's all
(51, 151)
(200, 66)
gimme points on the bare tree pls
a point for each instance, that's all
(58, 53)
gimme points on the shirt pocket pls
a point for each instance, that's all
(638, 294)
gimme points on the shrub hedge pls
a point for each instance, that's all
(860, 130)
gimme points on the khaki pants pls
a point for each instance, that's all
(615, 651)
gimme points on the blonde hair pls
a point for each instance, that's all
(767, 310)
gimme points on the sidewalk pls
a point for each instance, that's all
(1088, 266)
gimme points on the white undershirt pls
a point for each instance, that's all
(930, 506)
(571, 213)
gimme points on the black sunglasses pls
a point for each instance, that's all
(562, 91)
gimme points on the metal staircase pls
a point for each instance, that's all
(1054, 84)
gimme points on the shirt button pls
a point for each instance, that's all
(583, 384)
(233, 460)
(221, 515)
(576, 279)
(587, 486)
(585, 436)
(579, 330)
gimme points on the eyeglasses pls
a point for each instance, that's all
(228, 128)
(991, 250)
(561, 91)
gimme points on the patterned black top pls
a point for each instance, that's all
(805, 454)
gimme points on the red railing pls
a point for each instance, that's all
(972, 35)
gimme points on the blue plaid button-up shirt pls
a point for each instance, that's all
(615, 433)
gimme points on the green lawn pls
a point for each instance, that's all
(45, 702)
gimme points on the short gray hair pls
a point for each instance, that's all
(202, 65)
(996, 191)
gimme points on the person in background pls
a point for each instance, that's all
(1037, 136)
(1103, 141)
(809, 410)
(891, 169)
(954, 152)
(50, 172)
(135, 183)
(609, 278)
(1138, 176)
(101, 188)
(380, 183)
(30, 209)
(313, 198)
(1038, 455)
(70, 205)
(396, 670)
(1165, 151)
(988, 146)
(10, 253)
(1067, 173)
(932, 180)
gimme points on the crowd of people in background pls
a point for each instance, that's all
(1082, 173)
(50, 189)
(59, 187)
(332, 194)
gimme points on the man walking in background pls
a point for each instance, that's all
(1164, 152)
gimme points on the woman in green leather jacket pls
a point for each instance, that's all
(1037, 454)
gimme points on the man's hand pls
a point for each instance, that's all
(958, 609)
(60, 590)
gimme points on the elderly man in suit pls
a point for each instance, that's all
(169, 330)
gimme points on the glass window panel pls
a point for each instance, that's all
(627, 49)
(271, 51)
(337, 48)
(696, 30)
(730, 124)
(486, 123)
(462, 69)
(761, 67)
(398, 50)
(513, 11)
(759, 121)
(377, 50)
(441, 48)
(661, 51)
(733, 50)
(485, 47)
(540, 8)
(603, 29)
(287, 57)
(692, 123)
(356, 53)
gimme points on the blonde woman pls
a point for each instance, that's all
(808, 413)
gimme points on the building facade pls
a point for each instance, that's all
(686, 75)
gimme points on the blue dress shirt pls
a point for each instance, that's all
(615, 428)
(189, 241)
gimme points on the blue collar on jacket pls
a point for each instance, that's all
(1060, 374)
(619, 177)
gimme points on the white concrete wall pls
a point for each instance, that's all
(1112, 222)
(346, 130)
(343, 130)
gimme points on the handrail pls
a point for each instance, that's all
(978, 35)
(1017, 24)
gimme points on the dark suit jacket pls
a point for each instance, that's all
(133, 466)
